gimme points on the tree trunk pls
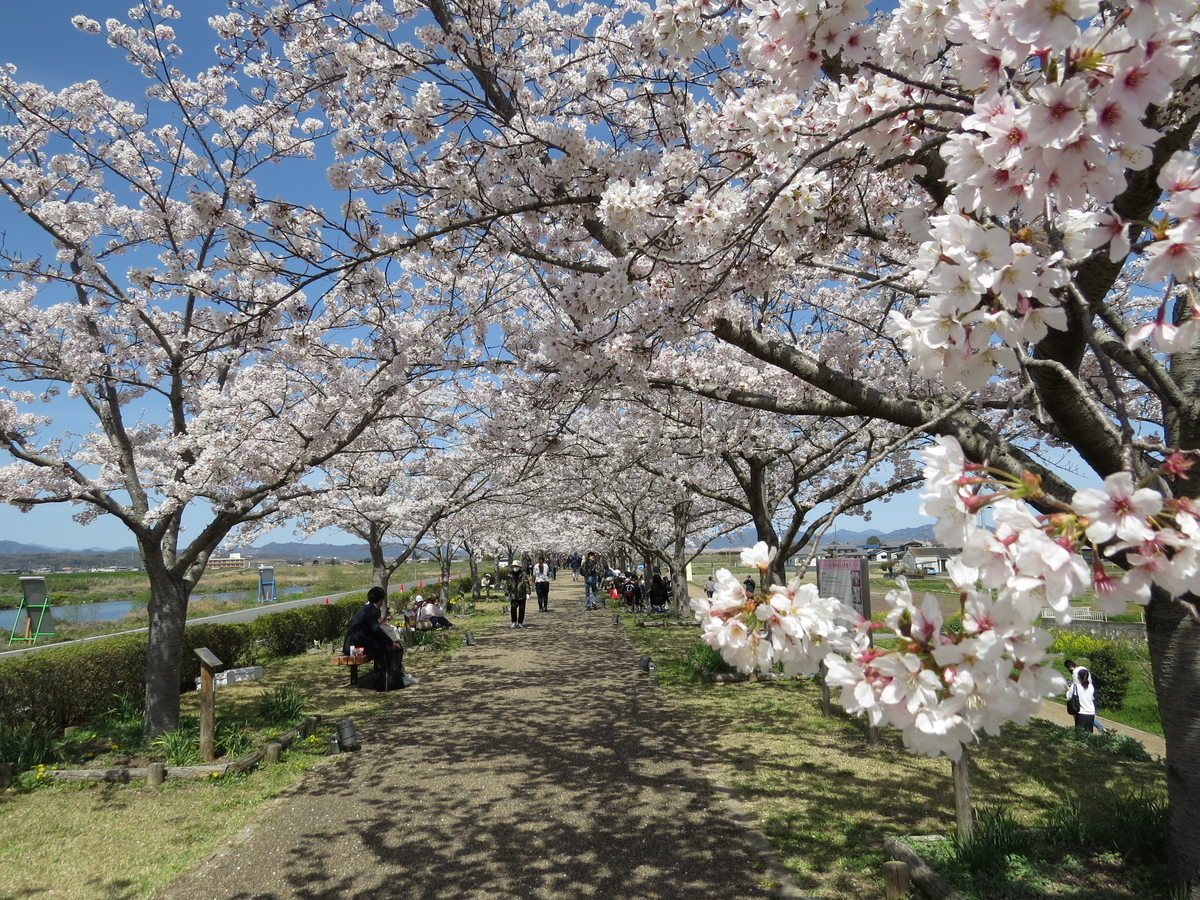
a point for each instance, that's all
(473, 562)
(380, 573)
(1174, 637)
(444, 587)
(164, 647)
(679, 584)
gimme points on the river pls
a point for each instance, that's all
(111, 610)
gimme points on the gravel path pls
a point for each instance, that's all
(536, 764)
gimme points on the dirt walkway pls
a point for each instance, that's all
(536, 764)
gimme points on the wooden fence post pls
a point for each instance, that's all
(155, 773)
(896, 882)
(208, 691)
(6, 775)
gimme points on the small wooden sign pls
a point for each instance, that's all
(208, 693)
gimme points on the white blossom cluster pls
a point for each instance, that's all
(788, 624)
(1034, 561)
(942, 688)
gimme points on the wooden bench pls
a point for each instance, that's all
(353, 662)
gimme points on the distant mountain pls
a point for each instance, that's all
(845, 536)
(16, 547)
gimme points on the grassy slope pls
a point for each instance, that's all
(826, 798)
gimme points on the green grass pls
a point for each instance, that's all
(57, 839)
(826, 798)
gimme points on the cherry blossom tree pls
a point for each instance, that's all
(231, 352)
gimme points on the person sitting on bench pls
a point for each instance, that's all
(364, 631)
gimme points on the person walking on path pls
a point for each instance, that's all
(541, 584)
(518, 596)
(1084, 693)
(591, 580)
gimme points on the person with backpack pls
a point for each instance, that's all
(590, 570)
(1081, 698)
(518, 596)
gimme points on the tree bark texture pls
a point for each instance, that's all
(1174, 636)
(164, 647)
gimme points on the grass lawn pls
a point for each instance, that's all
(826, 799)
(87, 841)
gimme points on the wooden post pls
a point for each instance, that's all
(962, 799)
(6, 775)
(896, 882)
(274, 751)
(155, 773)
(208, 693)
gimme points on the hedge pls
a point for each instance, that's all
(62, 686)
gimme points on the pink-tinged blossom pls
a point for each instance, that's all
(760, 556)
(1178, 254)
(1113, 593)
(1180, 173)
(1118, 509)
(1056, 115)
(1050, 23)
(1164, 336)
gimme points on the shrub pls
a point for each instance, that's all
(1108, 742)
(1074, 644)
(26, 745)
(997, 836)
(231, 643)
(283, 706)
(1112, 677)
(232, 739)
(72, 684)
(289, 632)
(180, 747)
(1134, 823)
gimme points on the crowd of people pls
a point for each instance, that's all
(370, 634)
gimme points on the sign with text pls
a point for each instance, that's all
(848, 580)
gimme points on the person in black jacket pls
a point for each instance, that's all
(660, 596)
(364, 631)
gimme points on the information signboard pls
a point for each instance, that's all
(266, 584)
(848, 580)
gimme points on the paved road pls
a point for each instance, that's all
(538, 764)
